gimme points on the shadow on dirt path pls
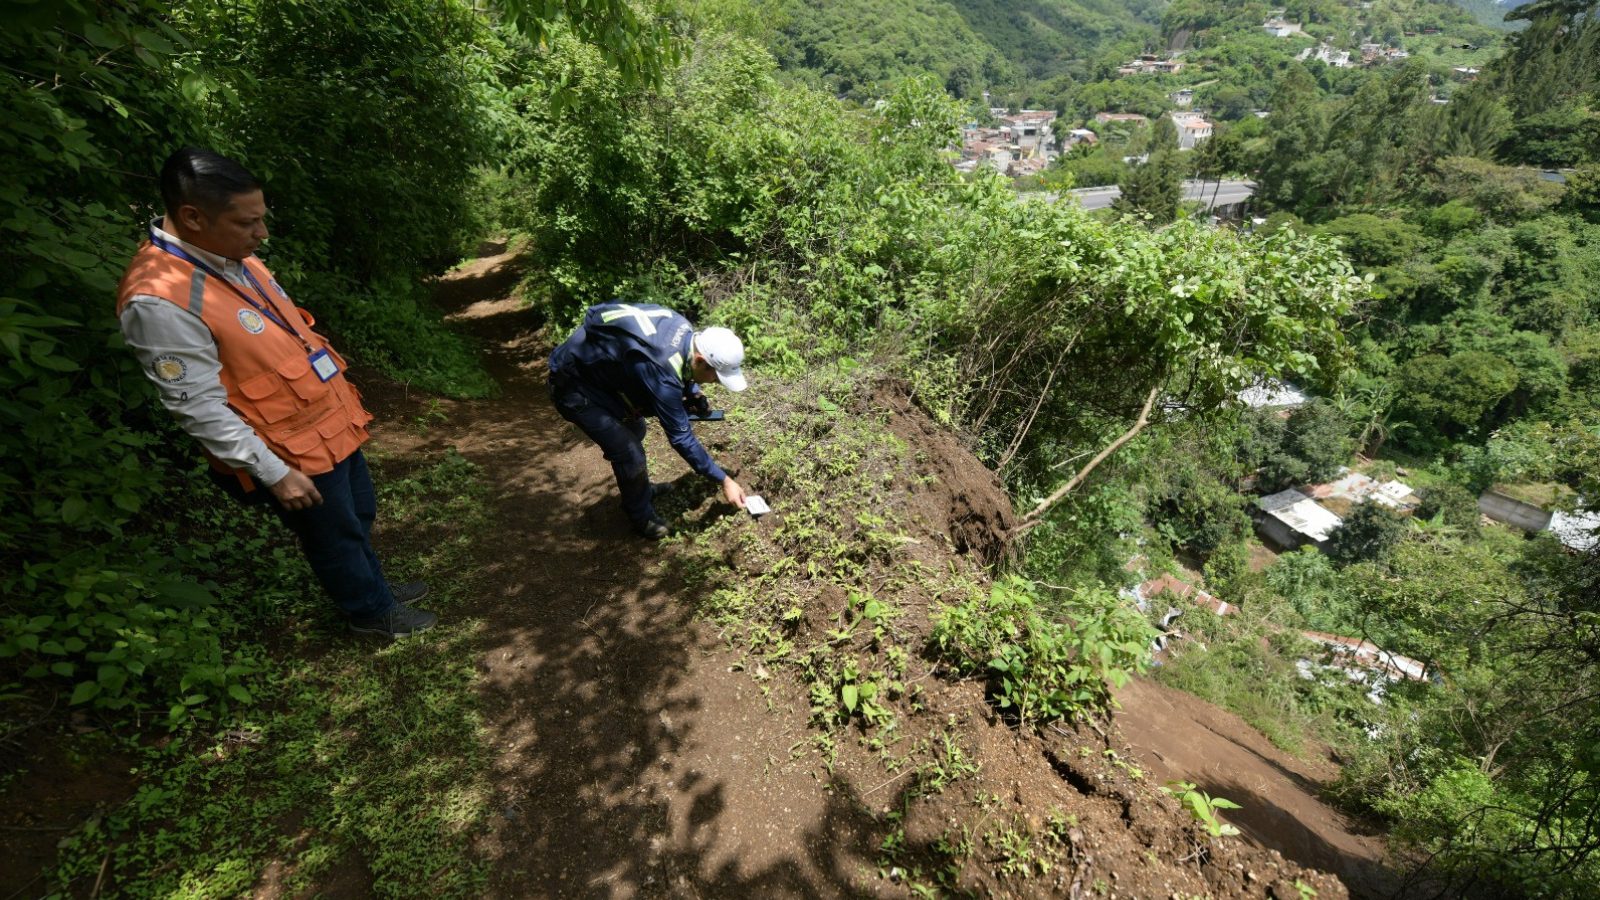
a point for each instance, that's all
(631, 759)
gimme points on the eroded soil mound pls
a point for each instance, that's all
(953, 489)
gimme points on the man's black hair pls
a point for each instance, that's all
(204, 179)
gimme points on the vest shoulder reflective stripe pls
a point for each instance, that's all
(310, 423)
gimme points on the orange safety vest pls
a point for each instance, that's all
(311, 424)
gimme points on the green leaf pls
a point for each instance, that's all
(72, 509)
(238, 693)
(84, 692)
(850, 695)
(183, 594)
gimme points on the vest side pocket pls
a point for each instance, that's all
(303, 443)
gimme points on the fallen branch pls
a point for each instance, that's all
(1036, 515)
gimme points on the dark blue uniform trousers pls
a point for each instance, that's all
(621, 440)
(337, 535)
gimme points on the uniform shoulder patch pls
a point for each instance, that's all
(169, 369)
(252, 321)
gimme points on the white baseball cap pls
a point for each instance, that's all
(725, 352)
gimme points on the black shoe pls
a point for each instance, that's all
(398, 622)
(657, 488)
(407, 594)
(654, 529)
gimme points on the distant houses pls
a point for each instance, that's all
(1370, 54)
(1278, 27)
(1290, 520)
(1271, 393)
(1125, 119)
(1080, 136)
(1151, 64)
(1309, 515)
(1020, 143)
(1351, 488)
(1338, 59)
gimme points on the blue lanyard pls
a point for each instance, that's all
(180, 253)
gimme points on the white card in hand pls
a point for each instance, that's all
(755, 506)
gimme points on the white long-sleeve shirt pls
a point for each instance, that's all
(179, 356)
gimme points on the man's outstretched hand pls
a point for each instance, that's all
(296, 491)
(733, 492)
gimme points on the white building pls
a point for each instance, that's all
(1192, 129)
(1290, 519)
(1270, 393)
(1339, 59)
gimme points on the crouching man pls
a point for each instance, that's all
(630, 360)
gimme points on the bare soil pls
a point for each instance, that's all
(1179, 737)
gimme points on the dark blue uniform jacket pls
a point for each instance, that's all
(632, 359)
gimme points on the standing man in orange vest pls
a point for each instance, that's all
(236, 362)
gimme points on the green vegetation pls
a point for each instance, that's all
(1204, 807)
(1044, 667)
(1417, 273)
(347, 757)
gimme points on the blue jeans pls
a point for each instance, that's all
(621, 440)
(337, 536)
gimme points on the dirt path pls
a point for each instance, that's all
(631, 760)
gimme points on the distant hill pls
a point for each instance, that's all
(1492, 12)
(854, 46)
(1042, 36)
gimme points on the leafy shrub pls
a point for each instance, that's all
(1452, 504)
(1367, 535)
(1044, 667)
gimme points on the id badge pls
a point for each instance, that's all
(322, 364)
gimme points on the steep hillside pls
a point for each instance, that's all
(1043, 36)
(856, 46)
(1491, 12)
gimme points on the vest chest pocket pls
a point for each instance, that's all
(297, 372)
(267, 394)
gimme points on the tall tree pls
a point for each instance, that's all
(1291, 176)
(1155, 188)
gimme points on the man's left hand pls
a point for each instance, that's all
(698, 405)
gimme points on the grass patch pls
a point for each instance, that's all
(359, 762)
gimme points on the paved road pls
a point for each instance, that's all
(1228, 193)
